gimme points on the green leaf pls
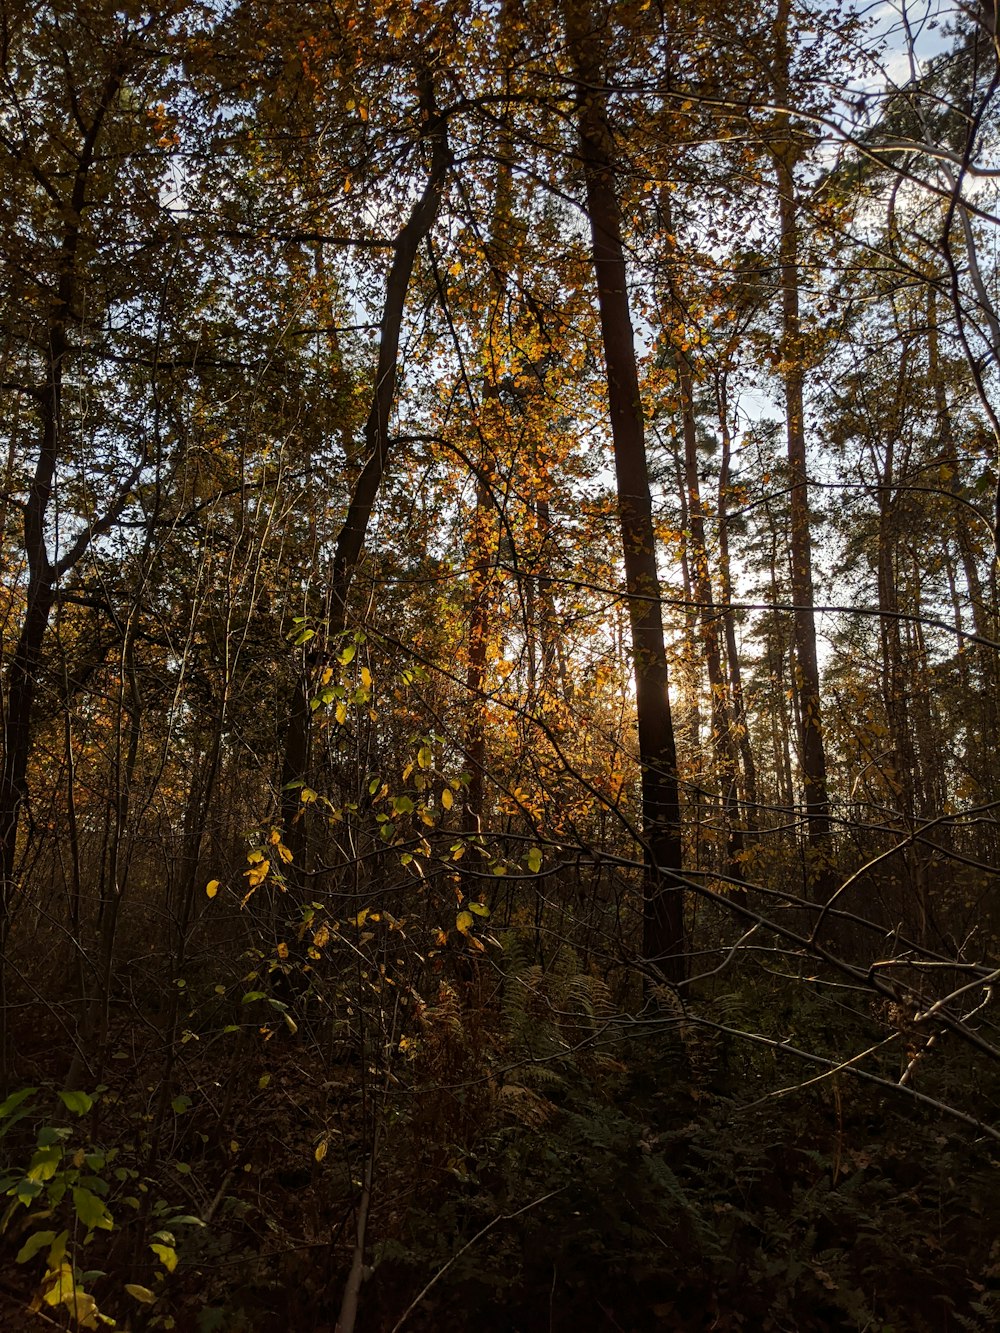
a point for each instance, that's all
(91, 1210)
(57, 1252)
(252, 995)
(480, 909)
(185, 1220)
(33, 1244)
(464, 922)
(77, 1102)
(181, 1104)
(534, 860)
(27, 1191)
(49, 1134)
(14, 1101)
(347, 655)
(45, 1162)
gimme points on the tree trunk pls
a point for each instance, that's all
(806, 675)
(721, 715)
(663, 911)
(728, 619)
(350, 541)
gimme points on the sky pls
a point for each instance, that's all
(897, 21)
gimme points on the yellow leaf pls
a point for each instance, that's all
(424, 756)
(464, 922)
(257, 874)
(321, 936)
(282, 950)
(167, 1256)
(427, 817)
(284, 853)
(340, 713)
(61, 1285)
(447, 800)
(321, 1148)
(212, 888)
(366, 678)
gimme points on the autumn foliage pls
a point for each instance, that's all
(499, 663)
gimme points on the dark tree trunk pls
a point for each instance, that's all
(663, 915)
(351, 539)
(806, 676)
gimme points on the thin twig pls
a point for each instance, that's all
(502, 1217)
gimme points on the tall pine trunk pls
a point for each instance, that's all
(806, 682)
(663, 906)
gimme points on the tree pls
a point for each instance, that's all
(663, 929)
(82, 123)
(786, 148)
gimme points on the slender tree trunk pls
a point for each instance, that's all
(728, 618)
(895, 684)
(721, 715)
(983, 758)
(350, 541)
(806, 676)
(26, 662)
(478, 639)
(663, 914)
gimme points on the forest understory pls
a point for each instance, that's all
(499, 666)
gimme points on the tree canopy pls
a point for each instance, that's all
(500, 804)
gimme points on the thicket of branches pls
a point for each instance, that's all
(500, 660)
